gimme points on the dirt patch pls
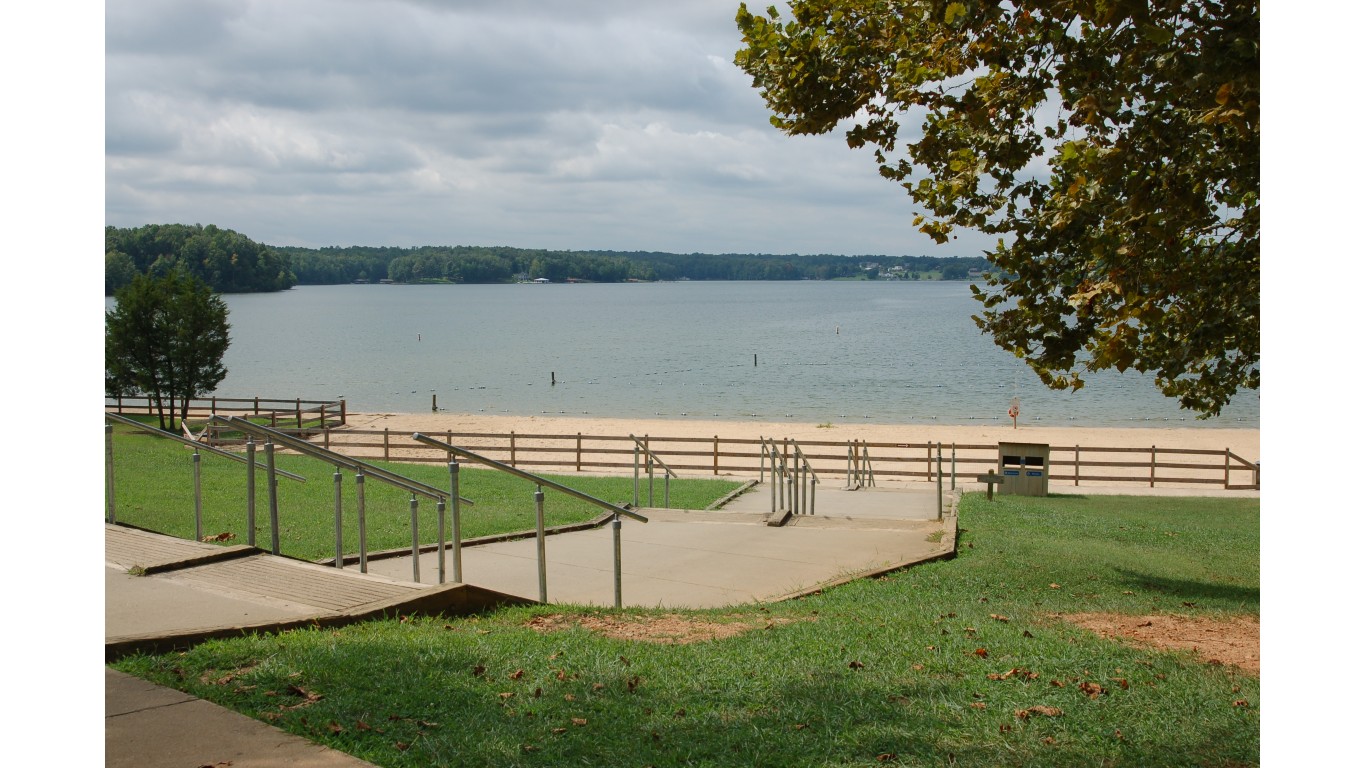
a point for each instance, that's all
(667, 629)
(1236, 641)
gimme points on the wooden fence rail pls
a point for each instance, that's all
(296, 413)
(700, 456)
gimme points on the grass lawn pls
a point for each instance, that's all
(961, 662)
(154, 489)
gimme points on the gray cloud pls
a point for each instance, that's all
(612, 125)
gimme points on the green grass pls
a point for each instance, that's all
(891, 671)
(154, 489)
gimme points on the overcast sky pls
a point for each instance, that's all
(608, 125)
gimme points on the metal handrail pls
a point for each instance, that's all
(195, 444)
(110, 514)
(362, 470)
(793, 483)
(337, 459)
(651, 460)
(616, 511)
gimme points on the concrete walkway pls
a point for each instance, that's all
(189, 590)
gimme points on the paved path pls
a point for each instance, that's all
(680, 558)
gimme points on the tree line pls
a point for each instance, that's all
(227, 261)
(230, 262)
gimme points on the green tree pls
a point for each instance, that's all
(1140, 246)
(165, 338)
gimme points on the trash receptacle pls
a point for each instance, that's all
(1023, 468)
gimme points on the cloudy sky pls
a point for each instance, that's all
(612, 124)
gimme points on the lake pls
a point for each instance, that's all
(890, 352)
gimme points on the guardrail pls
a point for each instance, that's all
(362, 470)
(792, 482)
(249, 460)
(651, 460)
(539, 497)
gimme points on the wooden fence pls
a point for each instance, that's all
(311, 415)
(897, 462)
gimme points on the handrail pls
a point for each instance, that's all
(616, 511)
(110, 515)
(196, 444)
(651, 460)
(607, 505)
(793, 480)
(362, 469)
(338, 459)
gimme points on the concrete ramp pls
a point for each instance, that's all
(163, 593)
(710, 559)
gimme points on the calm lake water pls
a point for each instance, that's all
(827, 351)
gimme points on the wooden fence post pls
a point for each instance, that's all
(578, 452)
(256, 406)
(1076, 466)
(343, 412)
(716, 454)
(299, 413)
(512, 448)
(1152, 469)
(386, 443)
(1226, 467)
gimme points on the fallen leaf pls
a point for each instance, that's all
(1123, 683)
(559, 731)
(401, 746)
(516, 675)
(530, 748)
(569, 697)
(886, 757)
(1240, 703)
(361, 725)
(799, 726)
(598, 686)
(980, 653)
(579, 721)
(335, 727)
(505, 695)
(1002, 619)
(1055, 586)
(1092, 690)
(917, 667)
(978, 705)
(1038, 709)
(478, 670)
(856, 664)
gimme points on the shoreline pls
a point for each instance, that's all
(1244, 442)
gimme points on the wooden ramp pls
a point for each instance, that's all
(163, 593)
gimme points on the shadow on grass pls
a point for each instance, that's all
(1191, 590)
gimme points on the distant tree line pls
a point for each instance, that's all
(230, 262)
(225, 260)
(476, 264)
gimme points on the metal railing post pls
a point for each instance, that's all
(109, 470)
(337, 516)
(454, 467)
(251, 492)
(540, 541)
(273, 495)
(412, 515)
(441, 541)
(616, 558)
(360, 518)
(939, 473)
(198, 500)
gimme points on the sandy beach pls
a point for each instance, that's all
(1242, 442)
(901, 453)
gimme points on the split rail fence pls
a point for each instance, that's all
(856, 462)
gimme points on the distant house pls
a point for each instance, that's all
(541, 281)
